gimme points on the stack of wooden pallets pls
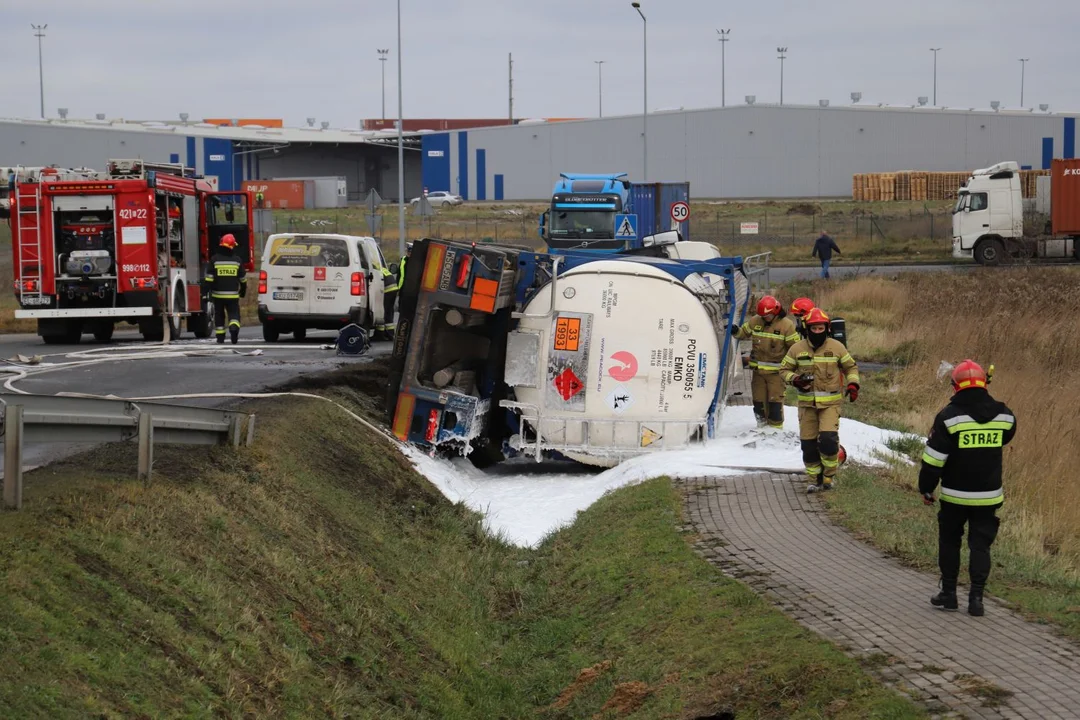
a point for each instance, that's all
(923, 185)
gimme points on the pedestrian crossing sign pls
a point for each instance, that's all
(626, 227)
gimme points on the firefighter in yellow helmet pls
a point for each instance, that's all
(225, 278)
(823, 372)
(772, 333)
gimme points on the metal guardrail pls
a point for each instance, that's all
(55, 418)
(756, 269)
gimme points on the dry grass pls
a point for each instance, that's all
(1023, 321)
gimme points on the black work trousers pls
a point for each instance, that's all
(982, 522)
(223, 306)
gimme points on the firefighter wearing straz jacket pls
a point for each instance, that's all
(227, 284)
(963, 453)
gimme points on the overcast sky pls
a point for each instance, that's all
(289, 59)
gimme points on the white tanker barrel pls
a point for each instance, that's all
(628, 362)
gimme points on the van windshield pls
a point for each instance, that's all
(305, 251)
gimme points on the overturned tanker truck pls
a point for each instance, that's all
(502, 352)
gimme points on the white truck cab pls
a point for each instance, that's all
(989, 213)
(319, 281)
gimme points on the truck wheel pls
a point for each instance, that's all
(152, 329)
(990, 252)
(270, 333)
(103, 331)
(299, 334)
(202, 324)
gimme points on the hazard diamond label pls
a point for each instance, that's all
(568, 384)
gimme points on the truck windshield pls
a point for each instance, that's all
(599, 224)
(960, 200)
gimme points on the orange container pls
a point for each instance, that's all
(1065, 197)
(278, 194)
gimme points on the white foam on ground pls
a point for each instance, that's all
(524, 503)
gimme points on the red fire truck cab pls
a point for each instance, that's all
(131, 244)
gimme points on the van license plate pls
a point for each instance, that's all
(288, 296)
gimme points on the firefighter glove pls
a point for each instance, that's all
(735, 330)
(803, 382)
(852, 391)
(928, 498)
(243, 289)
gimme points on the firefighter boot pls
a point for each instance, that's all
(221, 339)
(975, 601)
(946, 599)
(234, 334)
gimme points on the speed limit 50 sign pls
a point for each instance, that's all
(680, 211)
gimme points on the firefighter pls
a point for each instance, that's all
(225, 278)
(772, 333)
(819, 367)
(799, 308)
(391, 286)
(963, 453)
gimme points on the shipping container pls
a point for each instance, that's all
(278, 194)
(652, 201)
(416, 124)
(1065, 197)
(329, 191)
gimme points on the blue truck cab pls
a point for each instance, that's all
(592, 212)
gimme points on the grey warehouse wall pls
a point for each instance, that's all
(36, 145)
(363, 167)
(758, 151)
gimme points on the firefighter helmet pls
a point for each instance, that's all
(228, 241)
(801, 306)
(768, 305)
(816, 316)
(968, 374)
(841, 456)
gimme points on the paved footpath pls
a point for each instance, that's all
(764, 529)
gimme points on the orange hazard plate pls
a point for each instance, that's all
(567, 334)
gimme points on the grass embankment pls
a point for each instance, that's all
(1024, 322)
(316, 575)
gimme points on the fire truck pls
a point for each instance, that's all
(130, 244)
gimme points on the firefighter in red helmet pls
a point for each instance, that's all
(772, 333)
(227, 284)
(819, 367)
(799, 308)
(963, 453)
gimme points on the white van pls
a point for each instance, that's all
(319, 281)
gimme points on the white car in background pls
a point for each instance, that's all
(440, 199)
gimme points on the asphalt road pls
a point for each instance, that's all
(217, 373)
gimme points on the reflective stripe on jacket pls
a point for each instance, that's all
(964, 449)
(225, 276)
(831, 366)
(770, 341)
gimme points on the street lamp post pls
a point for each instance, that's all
(382, 61)
(400, 145)
(782, 51)
(39, 32)
(935, 51)
(723, 71)
(645, 85)
(1023, 66)
(600, 85)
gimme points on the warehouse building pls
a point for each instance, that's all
(230, 153)
(747, 151)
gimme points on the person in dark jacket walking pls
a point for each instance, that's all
(227, 284)
(823, 250)
(963, 453)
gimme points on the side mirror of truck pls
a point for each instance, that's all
(543, 223)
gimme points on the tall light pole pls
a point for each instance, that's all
(723, 74)
(782, 50)
(645, 84)
(600, 81)
(1023, 65)
(400, 146)
(382, 61)
(510, 86)
(935, 51)
(39, 32)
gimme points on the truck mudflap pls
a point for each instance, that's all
(124, 312)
